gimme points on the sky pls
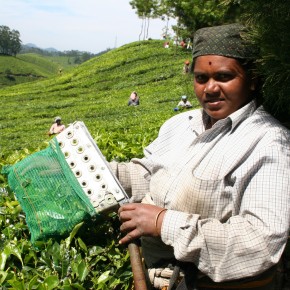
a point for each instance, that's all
(84, 25)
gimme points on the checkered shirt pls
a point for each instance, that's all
(227, 191)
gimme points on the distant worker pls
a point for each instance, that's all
(56, 127)
(184, 103)
(134, 99)
(186, 67)
(183, 43)
(166, 44)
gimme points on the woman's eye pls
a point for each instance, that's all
(223, 77)
(201, 79)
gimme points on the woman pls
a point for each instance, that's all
(186, 67)
(184, 103)
(133, 99)
(56, 127)
(213, 189)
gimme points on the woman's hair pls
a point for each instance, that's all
(252, 74)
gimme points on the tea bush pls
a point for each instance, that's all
(96, 93)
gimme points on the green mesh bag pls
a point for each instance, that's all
(49, 193)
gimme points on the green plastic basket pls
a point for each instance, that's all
(49, 194)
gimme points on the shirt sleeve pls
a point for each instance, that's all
(245, 244)
(51, 130)
(133, 177)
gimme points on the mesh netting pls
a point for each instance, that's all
(49, 194)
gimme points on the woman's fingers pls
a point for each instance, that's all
(127, 226)
(135, 234)
(138, 220)
(127, 207)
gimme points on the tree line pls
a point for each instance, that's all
(190, 15)
(77, 57)
(10, 43)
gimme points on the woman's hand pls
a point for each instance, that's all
(139, 219)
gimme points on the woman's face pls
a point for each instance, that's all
(133, 96)
(221, 85)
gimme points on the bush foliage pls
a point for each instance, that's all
(95, 92)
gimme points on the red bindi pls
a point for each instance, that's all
(209, 62)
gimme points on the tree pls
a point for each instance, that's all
(269, 23)
(190, 15)
(195, 14)
(10, 43)
(145, 9)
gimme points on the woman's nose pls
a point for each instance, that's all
(211, 87)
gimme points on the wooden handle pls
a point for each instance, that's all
(137, 267)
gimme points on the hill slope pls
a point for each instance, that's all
(96, 92)
(29, 67)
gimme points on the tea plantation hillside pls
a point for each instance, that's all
(96, 92)
(25, 68)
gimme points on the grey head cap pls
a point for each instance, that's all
(226, 40)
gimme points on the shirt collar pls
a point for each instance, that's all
(199, 124)
(197, 121)
(242, 114)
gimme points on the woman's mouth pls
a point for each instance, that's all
(214, 102)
